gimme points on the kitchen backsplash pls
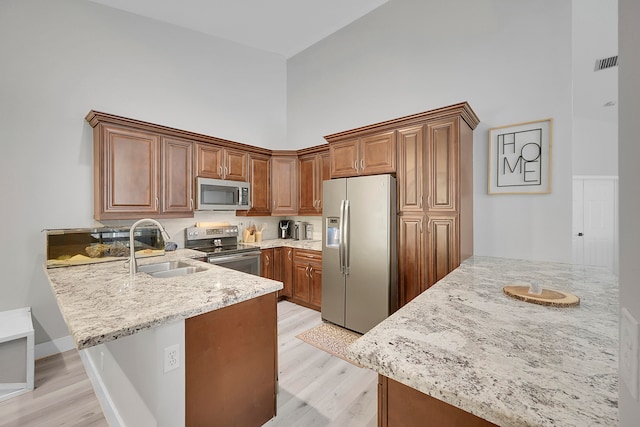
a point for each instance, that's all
(176, 226)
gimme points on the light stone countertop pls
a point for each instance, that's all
(514, 363)
(314, 245)
(100, 303)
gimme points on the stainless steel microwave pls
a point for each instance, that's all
(223, 195)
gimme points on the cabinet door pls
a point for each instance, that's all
(235, 165)
(307, 185)
(177, 176)
(284, 185)
(287, 272)
(442, 247)
(209, 160)
(324, 163)
(260, 179)
(266, 263)
(442, 169)
(301, 289)
(378, 153)
(410, 169)
(344, 158)
(315, 283)
(278, 259)
(127, 173)
(411, 257)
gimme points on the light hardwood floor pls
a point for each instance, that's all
(315, 388)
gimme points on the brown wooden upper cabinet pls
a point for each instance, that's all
(284, 184)
(366, 155)
(221, 163)
(260, 180)
(411, 177)
(313, 168)
(138, 174)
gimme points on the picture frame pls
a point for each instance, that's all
(520, 158)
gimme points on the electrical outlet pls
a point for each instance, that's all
(171, 358)
(629, 352)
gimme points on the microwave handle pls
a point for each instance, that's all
(239, 196)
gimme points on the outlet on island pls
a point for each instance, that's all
(171, 358)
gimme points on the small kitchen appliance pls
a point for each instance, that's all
(299, 230)
(285, 229)
(222, 248)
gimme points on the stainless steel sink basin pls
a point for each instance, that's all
(169, 269)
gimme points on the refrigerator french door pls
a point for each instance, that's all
(359, 262)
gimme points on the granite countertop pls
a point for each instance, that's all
(101, 303)
(314, 245)
(513, 363)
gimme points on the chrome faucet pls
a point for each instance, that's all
(133, 265)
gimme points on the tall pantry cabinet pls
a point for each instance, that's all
(434, 174)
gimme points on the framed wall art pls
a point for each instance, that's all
(520, 158)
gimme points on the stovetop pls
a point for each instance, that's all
(225, 250)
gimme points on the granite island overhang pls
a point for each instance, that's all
(513, 363)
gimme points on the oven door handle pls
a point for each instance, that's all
(220, 259)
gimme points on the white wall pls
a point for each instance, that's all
(511, 60)
(61, 59)
(596, 147)
(629, 146)
(594, 28)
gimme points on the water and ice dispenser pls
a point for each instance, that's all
(333, 232)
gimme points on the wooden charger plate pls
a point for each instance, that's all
(547, 297)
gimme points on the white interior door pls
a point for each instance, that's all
(595, 221)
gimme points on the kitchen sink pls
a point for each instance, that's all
(169, 269)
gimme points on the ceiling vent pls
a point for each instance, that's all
(604, 63)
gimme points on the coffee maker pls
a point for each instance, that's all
(286, 229)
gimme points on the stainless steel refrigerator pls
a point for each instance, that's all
(359, 262)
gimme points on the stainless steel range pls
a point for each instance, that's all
(222, 248)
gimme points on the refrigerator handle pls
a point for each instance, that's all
(347, 219)
(341, 237)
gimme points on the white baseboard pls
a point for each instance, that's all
(49, 348)
(108, 406)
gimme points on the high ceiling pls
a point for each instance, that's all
(285, 27)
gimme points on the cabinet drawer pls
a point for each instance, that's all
(307, 255)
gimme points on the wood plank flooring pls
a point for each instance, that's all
(62, 396)
(315, 388)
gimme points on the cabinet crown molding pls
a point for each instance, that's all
(462, 109)
(94, 118)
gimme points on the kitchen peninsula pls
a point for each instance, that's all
(148, 342)
(464, 348)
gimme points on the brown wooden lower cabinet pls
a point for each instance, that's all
(231, 365)
(403, 406)
(307, 278)
(267, 263)
(287, 272)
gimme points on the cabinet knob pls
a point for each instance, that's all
(580, 234)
